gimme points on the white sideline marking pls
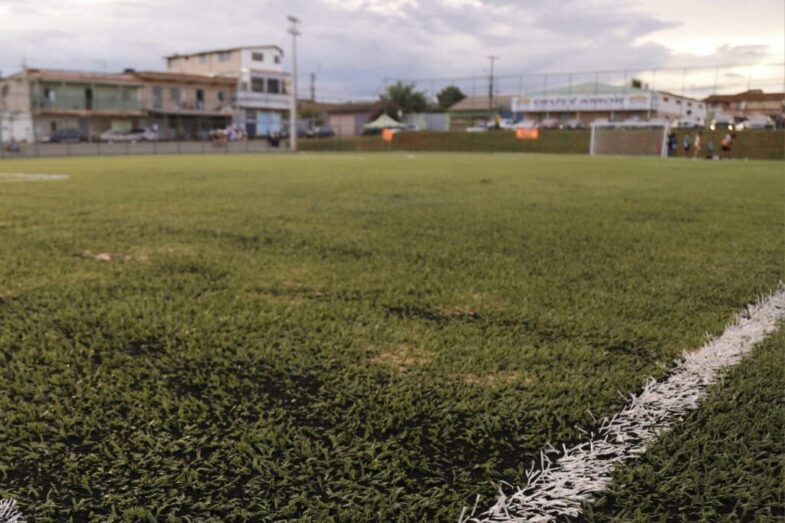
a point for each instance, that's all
(28, 177)
(9, 513)
(572, 476)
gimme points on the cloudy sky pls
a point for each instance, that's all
(355, 44)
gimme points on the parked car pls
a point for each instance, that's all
(527, 124)
(756, 122)
(144, 135)
(115, 135)
(722, 121)
(550, 123)
(477, 128)
(574, 123)
(319, 132)
(67, 136)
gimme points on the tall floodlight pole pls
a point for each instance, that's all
(293, 21)
(490, 88)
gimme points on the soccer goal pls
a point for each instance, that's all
(630, 138)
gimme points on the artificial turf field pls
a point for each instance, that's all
(373, 337)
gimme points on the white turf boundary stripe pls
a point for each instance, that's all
(568, 477)
(9, 513)
(28, 177)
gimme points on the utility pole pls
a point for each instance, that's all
(490, 88)
(293, 21)
(313, 87)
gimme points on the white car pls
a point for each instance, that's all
(143, 135)
(723, 122)
(477, 128)
(757, 122)
(115, 135)
(527, 124)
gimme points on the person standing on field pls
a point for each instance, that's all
(726, 145)
(672, 143)
(696, 146)
(687, 144)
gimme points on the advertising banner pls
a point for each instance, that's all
(576, 103)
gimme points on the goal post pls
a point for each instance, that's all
(630, 138)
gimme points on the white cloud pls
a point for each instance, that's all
(359, 42)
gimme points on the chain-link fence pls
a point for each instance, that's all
(696, 82)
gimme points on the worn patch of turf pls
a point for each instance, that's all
(724, 462)
(373, 337)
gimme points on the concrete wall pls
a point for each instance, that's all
(429, 121)
(16, 121)
(207, 63)
(344, 124)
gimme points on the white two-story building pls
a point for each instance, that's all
(263, 95)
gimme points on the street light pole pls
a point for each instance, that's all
(293, 21)
(490, 88)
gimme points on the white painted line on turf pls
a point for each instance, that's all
(29, 177)
(9, 513)
(563, 479)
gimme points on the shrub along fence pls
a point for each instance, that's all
(752, 144)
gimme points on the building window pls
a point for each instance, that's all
(200, 99)
(50, 94)
(5, 91)
(665, 98)
(277, 59)
(221, 96)
(224, 56)
(158, 97)
(273, 85)
(174, 94)
(202, 58)
(257, 85)
(257, 57)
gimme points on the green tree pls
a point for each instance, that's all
(449, 96)
(402, 97)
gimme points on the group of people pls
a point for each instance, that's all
(693, 147)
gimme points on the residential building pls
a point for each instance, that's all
(35, 103)
(263, 90)
(186, 106)
(749, 103)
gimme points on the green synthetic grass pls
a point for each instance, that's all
(725, 462)
(375, 337)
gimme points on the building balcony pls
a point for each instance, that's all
(79, 106)
(191, 108)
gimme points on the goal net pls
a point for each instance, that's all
(630, 138)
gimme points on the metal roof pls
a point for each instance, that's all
(225, 50)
